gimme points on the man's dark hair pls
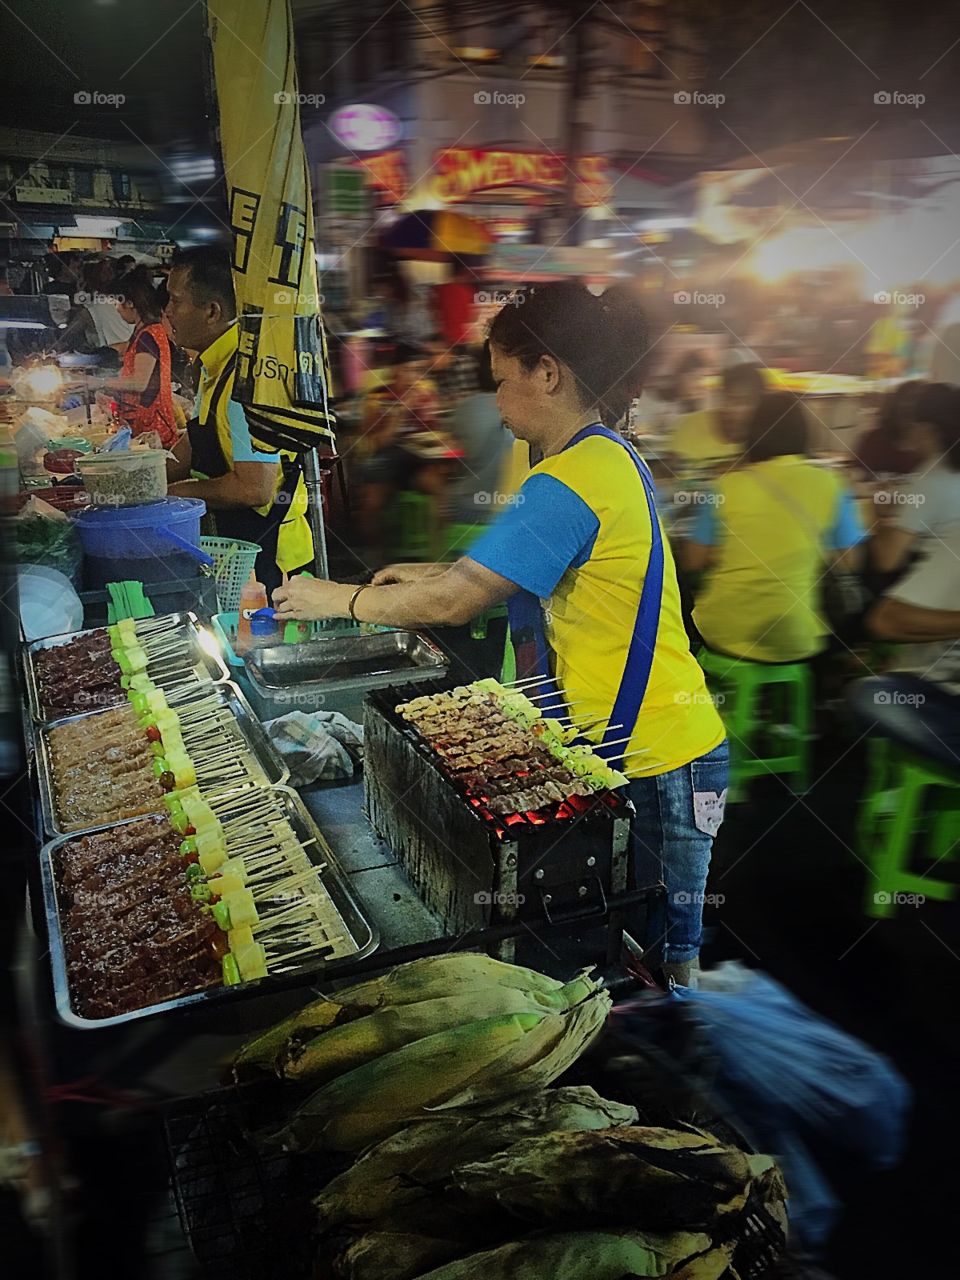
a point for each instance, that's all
(778, 427)
(744, 377)
(939, 405)
(210, 276)
(484, 371)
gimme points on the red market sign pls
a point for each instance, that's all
(460, 173)
(387, 173)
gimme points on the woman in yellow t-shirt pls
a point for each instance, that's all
(591, 588)
(765, 536)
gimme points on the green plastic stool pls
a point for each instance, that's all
(455, 539)
(737, 685)
(896, 807)
(411, 524)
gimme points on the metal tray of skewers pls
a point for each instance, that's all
(181, 675)
(254, 761)
(340, 932)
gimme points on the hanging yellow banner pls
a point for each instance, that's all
(283, 372)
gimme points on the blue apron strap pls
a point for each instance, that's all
(529, 639)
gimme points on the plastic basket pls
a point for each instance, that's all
(233, 562)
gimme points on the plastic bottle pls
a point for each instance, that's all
(252, 597)
(263, 628)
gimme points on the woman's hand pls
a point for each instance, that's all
(310, 599)
(405, 573)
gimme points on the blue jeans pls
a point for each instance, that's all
(678, 814)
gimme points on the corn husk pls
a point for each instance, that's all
(412, 1162)
(540, 1058)
(393, 1255)
(434, 977)
(342, 1048)
(578, 1255)
(371, 1102)
(669, 1179)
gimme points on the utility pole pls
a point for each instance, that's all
(578, 47)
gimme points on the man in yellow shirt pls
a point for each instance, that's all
(710, 440)
(253, 496)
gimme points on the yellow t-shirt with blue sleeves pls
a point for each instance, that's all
(578, 536)
(294, 539)
(772, 524)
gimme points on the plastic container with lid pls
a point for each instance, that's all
(131, 542)
(124, 479)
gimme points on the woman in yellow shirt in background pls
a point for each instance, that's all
(765, 540)
(590, 586)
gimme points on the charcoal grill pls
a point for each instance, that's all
(476, 868)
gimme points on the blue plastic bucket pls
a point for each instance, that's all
(128, 543)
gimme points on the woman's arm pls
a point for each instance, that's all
(890, 546)
(694, 557)
(407, 573)
(451, 598)
(137, 381)
(908, 623)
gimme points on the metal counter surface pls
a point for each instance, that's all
(370, 866)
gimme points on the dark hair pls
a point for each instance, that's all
(137, 289)
(898, 409)
(779, 426)
(692, 362)
(603, 341)
(210, 276)
(484, 373)
(744, 377)
(939, 405)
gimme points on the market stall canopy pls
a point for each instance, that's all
(283, 373)
(533, 263)
(433, 235)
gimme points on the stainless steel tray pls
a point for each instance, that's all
(337, 672)
(364, 934)
(207, 664)
(342, 659)
(269, 771)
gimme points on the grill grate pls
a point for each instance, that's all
(246, 1215)
(505, 827)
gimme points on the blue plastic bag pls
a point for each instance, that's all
(800, 1070)
(799, 1087)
